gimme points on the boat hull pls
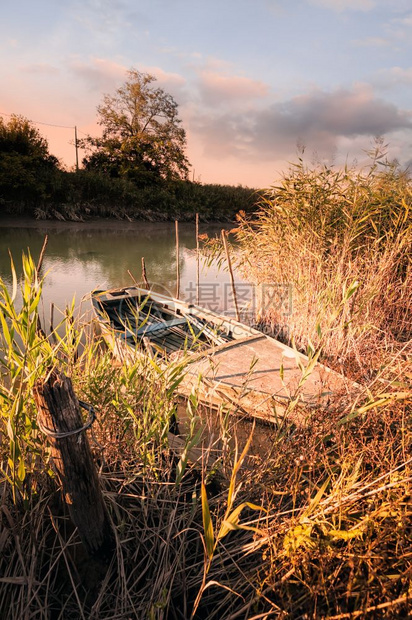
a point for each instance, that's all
(238, 367)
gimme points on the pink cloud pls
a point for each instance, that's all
(395, 75)
(371, 42)
(100, 74)
(318, 120)
(216, 87)
(345, 5)
(40, 68)
(104, 76)
(165, 78)
(173, 83)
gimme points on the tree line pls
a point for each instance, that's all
(136, 169)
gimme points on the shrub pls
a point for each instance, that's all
(341, 240)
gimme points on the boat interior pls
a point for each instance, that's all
(169, 326)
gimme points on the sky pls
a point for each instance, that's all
(255, 80)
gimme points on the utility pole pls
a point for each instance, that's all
(177, 261)
(77, 148)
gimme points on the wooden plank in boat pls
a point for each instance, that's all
(163, 325)
(258, 363)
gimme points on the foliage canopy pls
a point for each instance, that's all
(142, 135)
(25, 161)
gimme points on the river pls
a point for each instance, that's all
(81, 257)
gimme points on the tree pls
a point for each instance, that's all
(25, 162)
(19, 137)
(142, 134)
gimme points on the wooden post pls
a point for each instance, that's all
(52, 332)
(232, 279)
(39, 264)
(51, 317)
(177, 261)
(59, 418)
(197, 261)
(135, 282)
(42, 251)
(70, 320)
(144, 275)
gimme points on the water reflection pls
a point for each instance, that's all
(81, 257)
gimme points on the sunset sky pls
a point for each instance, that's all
(253, 78)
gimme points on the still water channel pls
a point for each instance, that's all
(81, 257)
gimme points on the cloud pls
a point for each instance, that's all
(345, 5)
(165, 78)
(172, 83)
(105, 16)
(100, 74)
(40, 69)
(105, 76)
(317, 120)
(371, 42)
(394, 76)
(216, 87)
(404, 21)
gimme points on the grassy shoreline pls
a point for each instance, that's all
(317, 524)
(82, 196)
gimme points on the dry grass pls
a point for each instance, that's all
(316, 523)
(336, 538)
(341, 240)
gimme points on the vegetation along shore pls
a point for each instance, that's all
(233, 519)
(136, 170)
(314, 521)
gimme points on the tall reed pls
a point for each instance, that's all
(340, 239)
(26, 354)
(315, 523)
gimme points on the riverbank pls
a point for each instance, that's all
(314, 522)
(101, 223)
(317, 524)
(83, 195)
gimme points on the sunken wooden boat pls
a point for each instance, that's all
(228, 362)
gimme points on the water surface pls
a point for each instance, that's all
(81, 257)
